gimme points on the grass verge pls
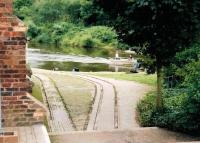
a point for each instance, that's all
(137, 77)
(77, 96)
(37, 90)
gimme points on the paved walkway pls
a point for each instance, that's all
(136, 135)
(128, 94)
(107, 114)
(102, 117)
(58, 118)
(31, 134)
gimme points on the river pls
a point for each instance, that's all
(38, 59)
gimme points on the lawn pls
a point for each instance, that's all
(77, 95)
(37, 90)
(137, 77)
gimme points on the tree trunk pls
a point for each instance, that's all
(159, 100)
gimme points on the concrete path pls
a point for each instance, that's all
(136, 135)
(58, 118)
(128, 94)
(103, 114)
(31, 134)
(107, 114)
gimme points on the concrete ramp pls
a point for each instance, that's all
(137, 135)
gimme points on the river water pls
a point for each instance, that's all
(38, 59)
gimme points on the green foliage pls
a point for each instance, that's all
(155, 22)
(165, 27)
(47, 11)
(87, 42)
(91, 14)
(145, 108)
(22, 7)
(181, 103)
(179, 113)
(62, 23)
(181, 59)
(22, 3)
(96, 36)
(33, 30)
(43, 38)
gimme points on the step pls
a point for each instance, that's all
(136, 135)
(30, 134)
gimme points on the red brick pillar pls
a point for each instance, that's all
(19, 108)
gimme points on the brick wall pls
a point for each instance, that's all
(19, 108)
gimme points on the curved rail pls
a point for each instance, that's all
(100, 99)
(116, 105)
(45, 94)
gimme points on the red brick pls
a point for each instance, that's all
(17, 108)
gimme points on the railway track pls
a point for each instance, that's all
(58, 118)
(97, 107)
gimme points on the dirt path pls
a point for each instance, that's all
(58, 118)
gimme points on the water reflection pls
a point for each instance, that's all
(84, 67)
(48, 61)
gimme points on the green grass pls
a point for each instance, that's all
(37, 90)
(77, 95)
(137, 77)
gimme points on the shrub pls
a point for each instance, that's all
(96, 36)
(181, 109)
(87, 42)
(103, 33)
(22, 8)
(145, 108)
(43, 38)
(33, 30)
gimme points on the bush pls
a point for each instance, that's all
(104, 34)
(181, 59)
(87, 42)
(145, 108)
(181, 111)
(22, 8)
(92, 14)
(33, 30)
(92, 37)
(43, 38)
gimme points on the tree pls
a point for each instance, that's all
(22, 7)
(165, 26)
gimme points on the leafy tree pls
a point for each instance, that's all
(165, 26)
(189, 55)
(22, 3)
(92, 14)
(182, 102)
(22, 7)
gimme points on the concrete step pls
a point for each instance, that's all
(136, 135)
(30, 134)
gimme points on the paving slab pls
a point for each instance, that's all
(105, 116)
(58, 119)
(136, 135)
(30, 134)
